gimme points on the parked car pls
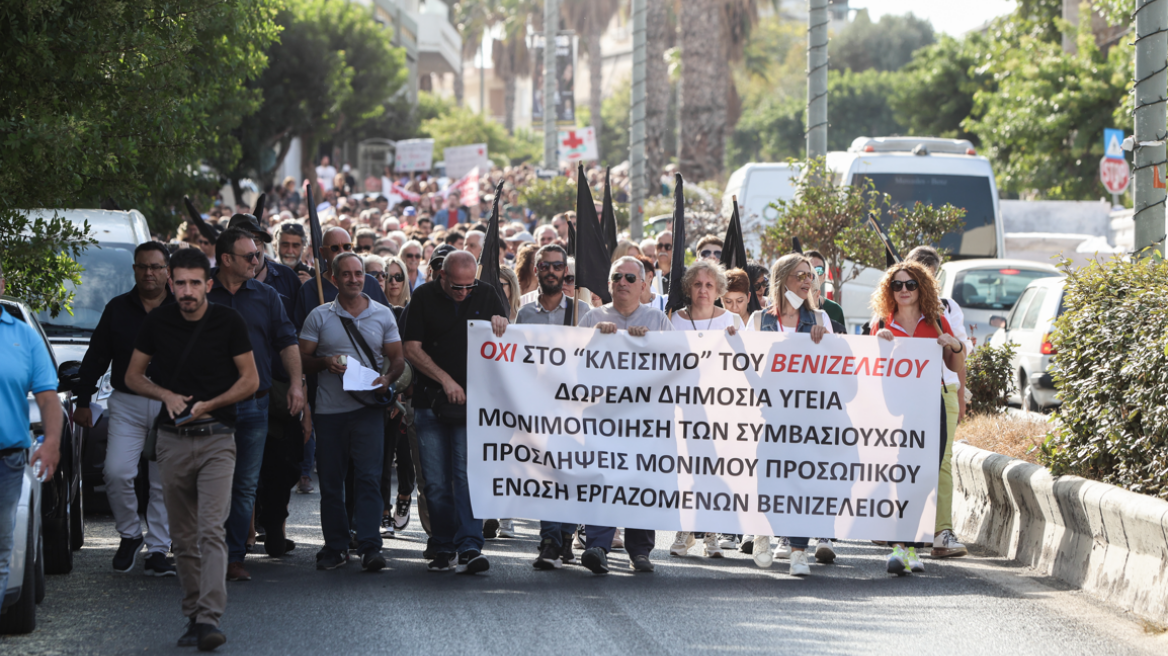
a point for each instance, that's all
(60, 496)
(757, 185)
(108, 272)
(26, 567)
(988, 287)
(1028, 327)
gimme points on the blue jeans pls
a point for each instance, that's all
(357, 437)
(554, 531)
(309, 456)
(251, 432)
(442, 448)
(11, 480)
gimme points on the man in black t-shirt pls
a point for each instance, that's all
(435, 339)
(206, 358)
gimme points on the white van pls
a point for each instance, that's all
(757, 185)
(927, 170)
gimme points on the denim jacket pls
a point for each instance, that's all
(806, 321)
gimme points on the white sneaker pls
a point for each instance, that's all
(507, 528)
(898, 562)
(799, 566)
(681, 544)
(617, 541)
(711, 548)
(945, 545)
(727, 540)
(762, 551)
(825, 551)
(783, 549)
(576, 541)
(914, 563)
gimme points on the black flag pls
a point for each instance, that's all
(592, 258)
(314, 233)
(733, 247)
(258, 212)
(205, 229)
(489, 260)
(796, 247)
(608, 216)
(677, 267)
(890, 255)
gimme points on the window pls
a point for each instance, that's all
(992, 289)
(108, 272)
(1031, 319)
(978, 235)
(1020, 309)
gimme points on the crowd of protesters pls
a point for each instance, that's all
(228, 357)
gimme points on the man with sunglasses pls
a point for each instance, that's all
(626, 283)
(435, 336)
(270, 272)
(664, 261)
(271, 332)
(334, 242)
(833, 309)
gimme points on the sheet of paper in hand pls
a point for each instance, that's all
(358, 378)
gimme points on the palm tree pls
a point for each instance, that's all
(473, 18)
(590, 18)
(510, 55)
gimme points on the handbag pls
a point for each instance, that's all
(150, 448)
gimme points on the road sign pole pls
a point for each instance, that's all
(551, 25)
(637, 179)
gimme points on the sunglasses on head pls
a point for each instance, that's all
(397, 277)
(631, 278)
(803, 276)
(464, 288)
(665, 247)
(555, 266)
(710, 253)
(910, 285)
(337, 248)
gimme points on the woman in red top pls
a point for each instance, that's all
(907, 303)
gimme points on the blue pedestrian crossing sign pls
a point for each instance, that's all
(1113, 143)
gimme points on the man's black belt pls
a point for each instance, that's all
(198, 430)
(4, 453)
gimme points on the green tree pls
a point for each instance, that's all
(1044, 123)
(461, 126)
(114, 100)
(885, 45)
(933, 94)
(613, 140)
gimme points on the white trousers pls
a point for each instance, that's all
(130, 417)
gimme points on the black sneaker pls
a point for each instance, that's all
(642, 564)
(372, 561)
(549, 556)
(401, 513)
(567, 556)
(275, 544)
(442, 562)
(330, 560)
(191, 637)
(387, 526)
(747, 545)
(127, 553)
(158, 565)
(595, 560)
(210, 637)
(472, 562)
(490, 529)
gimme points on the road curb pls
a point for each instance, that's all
(1109, 542)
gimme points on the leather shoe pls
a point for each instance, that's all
(274, 541)
(236, 572)
(191, 637)
(210, 637)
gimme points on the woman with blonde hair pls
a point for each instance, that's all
(792, 309)
(396, 289)
(525, 268)
(625, 247)
(510, 282)
(907, 303)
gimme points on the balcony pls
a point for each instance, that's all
(439, 44)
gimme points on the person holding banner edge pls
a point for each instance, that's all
(626, 284)
(906, 303)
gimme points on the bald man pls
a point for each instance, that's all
(335, 241)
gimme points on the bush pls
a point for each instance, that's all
(989, 378)
(1112, 375)
(549, 197)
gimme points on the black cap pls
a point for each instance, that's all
(249, 223)
(440, 253)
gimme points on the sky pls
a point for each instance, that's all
(954, 17)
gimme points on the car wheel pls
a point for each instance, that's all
(58, 544)
(77, 519)
(21, 616)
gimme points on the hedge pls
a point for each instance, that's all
(1112, 374)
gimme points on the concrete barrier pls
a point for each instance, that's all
(1110, 542)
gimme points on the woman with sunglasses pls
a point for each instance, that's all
(907, 303)
(833, 309)
(396, 289)
(792, 310)
(412, 254)
(760, 282)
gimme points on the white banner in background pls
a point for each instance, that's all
(414, 155)
(759, 433)
(461, 159)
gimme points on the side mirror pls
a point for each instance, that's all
(998, 321)
(68, 375)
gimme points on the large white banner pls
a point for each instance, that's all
(461, 159)
(414, 155)
(759, 433)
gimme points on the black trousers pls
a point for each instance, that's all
(397, 447)
(283, 454)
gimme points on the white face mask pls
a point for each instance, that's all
(793, 299)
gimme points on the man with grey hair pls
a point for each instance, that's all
(544, 235)
(435, 336)
(626, 283)
(474, 243)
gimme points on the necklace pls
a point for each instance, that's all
(695, 326)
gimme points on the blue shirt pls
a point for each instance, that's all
(307, 300)
(286, 283)
(268, 325)
(442, 216)
(27, 368)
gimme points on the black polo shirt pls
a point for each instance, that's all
(113, 342)
(435, 320)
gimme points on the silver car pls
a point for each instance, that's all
(1029, 327)
(26, 567)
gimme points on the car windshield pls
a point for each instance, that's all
(108, 272)
(978, 235)
(992, 289)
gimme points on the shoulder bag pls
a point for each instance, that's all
(150, 448)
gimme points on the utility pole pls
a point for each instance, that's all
(483, 77)
(817, 78)
(551, 25)
(637, 123)
(1150, 131)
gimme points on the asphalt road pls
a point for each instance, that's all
(974, 605)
